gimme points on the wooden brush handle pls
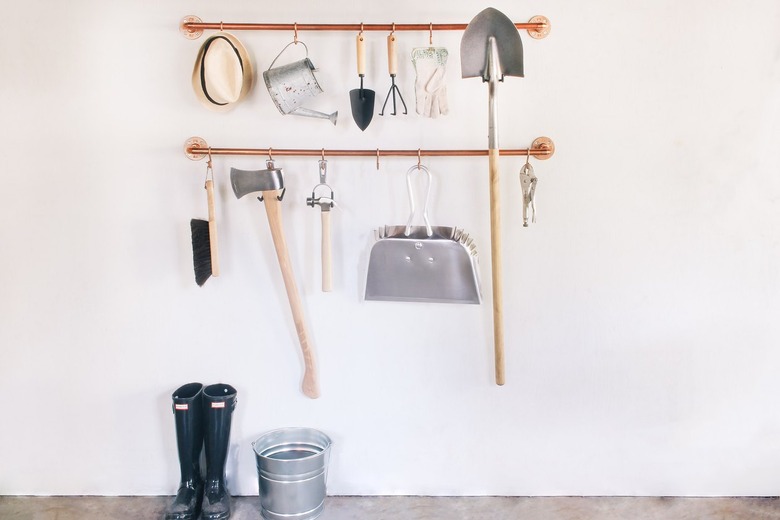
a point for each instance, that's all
(212, 228)
(495, 257)
(327, 261)
(361, 54)
(392, 57)
(273, 209)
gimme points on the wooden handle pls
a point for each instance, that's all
(392, 58)
(273, 209)
(361, 55)
(495, 256)
(327, 262)
(212, 228)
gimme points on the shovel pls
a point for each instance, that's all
(491, 49)
(362, 99)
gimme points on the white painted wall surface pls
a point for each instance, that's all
(642, 331)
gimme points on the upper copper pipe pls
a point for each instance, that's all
(229, 26)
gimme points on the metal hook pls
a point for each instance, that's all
(270, 156)
(209, 170)
(322, 155)
(392, 31)
(430, 34)
(419, 159)
(221, 29)
(528, 156)
(361, 27)
(377, 159)
(295, 36)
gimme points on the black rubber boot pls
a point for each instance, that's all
(188, 413)
(219, 401)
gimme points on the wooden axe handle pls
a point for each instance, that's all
(273, 209)
(495, 257)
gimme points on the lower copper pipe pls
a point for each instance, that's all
(195, 152)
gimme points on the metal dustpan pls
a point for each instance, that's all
(423, 263)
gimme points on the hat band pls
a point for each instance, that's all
(203, 63)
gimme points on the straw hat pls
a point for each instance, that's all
(223, 73)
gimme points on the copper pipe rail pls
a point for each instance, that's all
(192, 27)
(196, 148)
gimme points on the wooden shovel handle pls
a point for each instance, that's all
(495, 257)
(273, 209)
(361, 54)
(392, 56)
(212, 228)
(327, 262)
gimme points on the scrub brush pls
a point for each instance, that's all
(204, 237)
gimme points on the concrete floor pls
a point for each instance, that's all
(415, 508)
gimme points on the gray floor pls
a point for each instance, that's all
(415, 508)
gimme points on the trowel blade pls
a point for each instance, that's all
(362, 101)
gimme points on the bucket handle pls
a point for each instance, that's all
(294, 42)
(421, 168)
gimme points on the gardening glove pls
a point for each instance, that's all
(429, 87)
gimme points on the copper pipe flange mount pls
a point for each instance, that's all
(190, 34)
(543, 143)
(538, 34)
(196, 142)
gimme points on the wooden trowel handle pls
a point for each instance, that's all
(361, 54)
(327, 262)
(392, 57)
(212, 228)
(495, 257)
(273, 209)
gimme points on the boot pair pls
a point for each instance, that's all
(202, 414)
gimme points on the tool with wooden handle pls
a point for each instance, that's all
(362, 99)
(270, 183)
(392, 66)
(482, 56)
(325, 203)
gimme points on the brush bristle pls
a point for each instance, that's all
(201, 250)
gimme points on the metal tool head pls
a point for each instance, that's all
(475, 48)
(245, 182)
(362, 103)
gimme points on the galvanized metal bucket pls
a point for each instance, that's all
(292, 468)
(292, 84)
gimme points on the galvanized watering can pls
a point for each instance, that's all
(292, 84)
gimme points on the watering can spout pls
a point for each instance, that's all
(306, 112)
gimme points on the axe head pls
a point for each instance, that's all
(245, 182)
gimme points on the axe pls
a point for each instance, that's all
(270, 183)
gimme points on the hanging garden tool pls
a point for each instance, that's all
(430, 90)
(326, 203)
(528, 182)
(362, 99)
(205, 258)
(423, 263)
(270, 182)
(392, 66)
(482, 56)
(292, 84)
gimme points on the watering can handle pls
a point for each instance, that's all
(285, 48)
(428, 228)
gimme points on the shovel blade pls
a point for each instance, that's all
(474, 46)
(362, 101)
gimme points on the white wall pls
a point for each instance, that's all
(642, 308)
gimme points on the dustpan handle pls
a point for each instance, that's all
(422, 168)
